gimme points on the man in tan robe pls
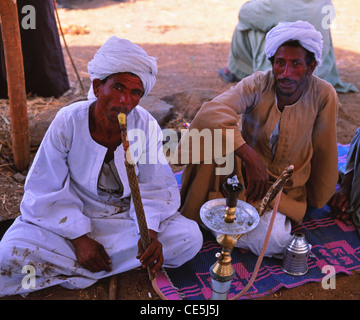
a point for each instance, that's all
(287, 117)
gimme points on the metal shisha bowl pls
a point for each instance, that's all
(212, 215)
(296, 255)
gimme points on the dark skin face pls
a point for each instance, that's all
(291, 74)
(120, 93)
(291, 77)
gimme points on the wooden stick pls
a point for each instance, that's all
(67, 48)
(135, 190)
(113, 287)
(16, 83)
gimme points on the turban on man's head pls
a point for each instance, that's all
(121, 55)
(303, 31)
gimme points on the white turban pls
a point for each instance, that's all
(121, 55)
(303, 31)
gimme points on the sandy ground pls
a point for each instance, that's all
(191, 40)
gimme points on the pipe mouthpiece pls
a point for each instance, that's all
(122, 119)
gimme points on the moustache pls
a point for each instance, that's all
(118, 109)
(286, 81)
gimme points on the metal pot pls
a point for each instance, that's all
(296, 255)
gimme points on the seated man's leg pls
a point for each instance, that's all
(53, 259)
(27, 250)
(181, 240)
(279, 238)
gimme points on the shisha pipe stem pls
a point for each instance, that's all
(134, 186)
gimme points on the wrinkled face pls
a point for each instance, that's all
(120, 93)
(291, 71)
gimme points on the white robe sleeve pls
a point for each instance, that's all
(158, 186)
(49, 200)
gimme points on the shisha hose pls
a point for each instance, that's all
(275, 189)
(261, 255)
(134, 187)
(274, 192)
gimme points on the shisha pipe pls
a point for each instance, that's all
(231, 229)
(139, 209)
(275, 191)
(135, 190)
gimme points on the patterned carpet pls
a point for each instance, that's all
(334, 243)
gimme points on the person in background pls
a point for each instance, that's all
(44, 65)
(345, 203)
(257, 17)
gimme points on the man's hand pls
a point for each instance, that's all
(91, 254)
(152, 257)
(340, 201)
(257, 177)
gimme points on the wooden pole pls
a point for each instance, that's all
(16, 83)
(113, 287)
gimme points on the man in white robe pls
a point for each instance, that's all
(77, 189)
